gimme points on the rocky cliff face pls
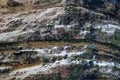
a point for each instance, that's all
(95, 22)
(73, 19)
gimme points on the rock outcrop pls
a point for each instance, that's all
(93, 21)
